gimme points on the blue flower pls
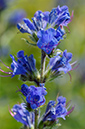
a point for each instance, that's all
(49, 39)
(61, 100)
(16, 16)
(59, 16)
(59, 63)
(55, 111)
(34, 95)
(47, 27)
(22, 115)
(40, 19)
(50, 111)
(61, 110)
(24, 66)
(28, 27)
(39, 22)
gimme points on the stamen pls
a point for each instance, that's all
(68, 29)
(74, 63)
(5, 75)
(71, 16)
(75, 67)
(70, 110)
(18, 90)
(67, 103)
(69, 106)
(5, 65)
(6, 72)
(10, 112)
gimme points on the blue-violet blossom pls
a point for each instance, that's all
(47, 26)
(21, 114)
(49, 39)
(55, 111)
(61, 63)
(42, 20)
(24, 66)
(34, 95)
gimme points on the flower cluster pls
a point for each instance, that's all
(55, 111)
(46, 31)
(48, 27)
(59, 16)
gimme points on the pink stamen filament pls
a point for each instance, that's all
(5, 72)
(74, 63)
(6, 65)
(75, 67)
(70, 110)
(18, 90)
(68, 29)
(67, 103)
(10, 112)
(5, 76)
(71, 17)
(70, 76)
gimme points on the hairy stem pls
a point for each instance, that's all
(27, 127)
(36, 119)
(43, 57)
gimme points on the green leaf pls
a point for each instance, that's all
(29, 42)
(32, 38)
(22, 98)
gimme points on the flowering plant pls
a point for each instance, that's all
(46, 32)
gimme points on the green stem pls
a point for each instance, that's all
(27, 127)
(43, 57)
(36, 118)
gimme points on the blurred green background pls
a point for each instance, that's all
(10, 42)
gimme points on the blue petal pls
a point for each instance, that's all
(20, 54)
(50, 105)
(25, 89)
(47, 41)
(29, 24)
(21, 28)
(53, 15)
(19, 118)
(62, 100)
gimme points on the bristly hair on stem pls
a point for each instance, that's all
(43, 58)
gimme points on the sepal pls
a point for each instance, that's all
(33, 44)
